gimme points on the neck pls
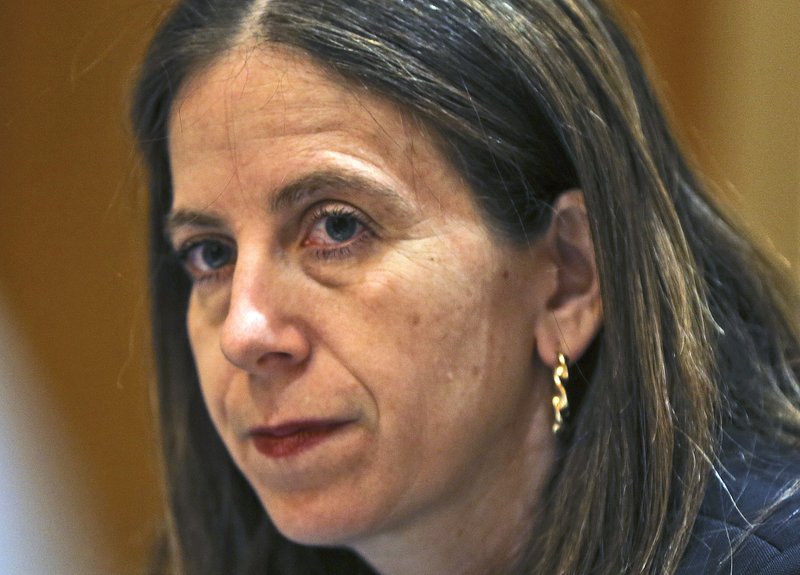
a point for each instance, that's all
(484, 526)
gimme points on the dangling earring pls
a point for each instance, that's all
(560, 402)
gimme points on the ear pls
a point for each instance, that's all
(573, 311)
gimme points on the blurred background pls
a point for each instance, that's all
(78, 465)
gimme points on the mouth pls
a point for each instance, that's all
(289, 439)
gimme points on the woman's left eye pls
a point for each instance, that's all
(336, 230)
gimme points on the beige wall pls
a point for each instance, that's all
(753, 105)
(731, 71)
(70, 222)
(71, 253)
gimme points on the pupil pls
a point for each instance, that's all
(341, 228)
(216, 255)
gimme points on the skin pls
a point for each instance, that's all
(421, 329)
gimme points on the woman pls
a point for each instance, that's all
(455, 303)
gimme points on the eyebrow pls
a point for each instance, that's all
(295, 192)
(184, 218)
(348, 181)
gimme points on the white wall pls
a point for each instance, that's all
(43, 529)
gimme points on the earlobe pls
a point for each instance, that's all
(573, 311)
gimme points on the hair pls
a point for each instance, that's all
(529, 98)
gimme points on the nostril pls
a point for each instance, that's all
(278, 362)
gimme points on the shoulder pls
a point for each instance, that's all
(749, 522)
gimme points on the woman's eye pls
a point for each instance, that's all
(336, 230)
(341, 228)
(206, 259)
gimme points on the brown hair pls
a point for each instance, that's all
(532, 97)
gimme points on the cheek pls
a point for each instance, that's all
(213, 370)
(428, 338)
(420, 316)
(201, 339)
(445, 358)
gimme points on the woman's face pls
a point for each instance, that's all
(365, 345)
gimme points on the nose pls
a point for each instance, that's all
(260, 333)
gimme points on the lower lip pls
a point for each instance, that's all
(283, 446)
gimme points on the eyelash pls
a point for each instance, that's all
(185, 251)
(344, 250)
(316, 217)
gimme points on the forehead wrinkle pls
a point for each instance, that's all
(290, 81)
(238, 84)
(251, 109)
(204, 217)
(231, 129)
(366, 108)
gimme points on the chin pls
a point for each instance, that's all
(309, 523)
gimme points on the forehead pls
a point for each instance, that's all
(278, 94)
(256, 121)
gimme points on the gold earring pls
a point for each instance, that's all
(560, 402)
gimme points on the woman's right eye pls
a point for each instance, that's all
(207, 259)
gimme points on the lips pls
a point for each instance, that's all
(286, 440)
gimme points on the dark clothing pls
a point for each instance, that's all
(752, 479)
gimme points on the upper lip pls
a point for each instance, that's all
(297, 426)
